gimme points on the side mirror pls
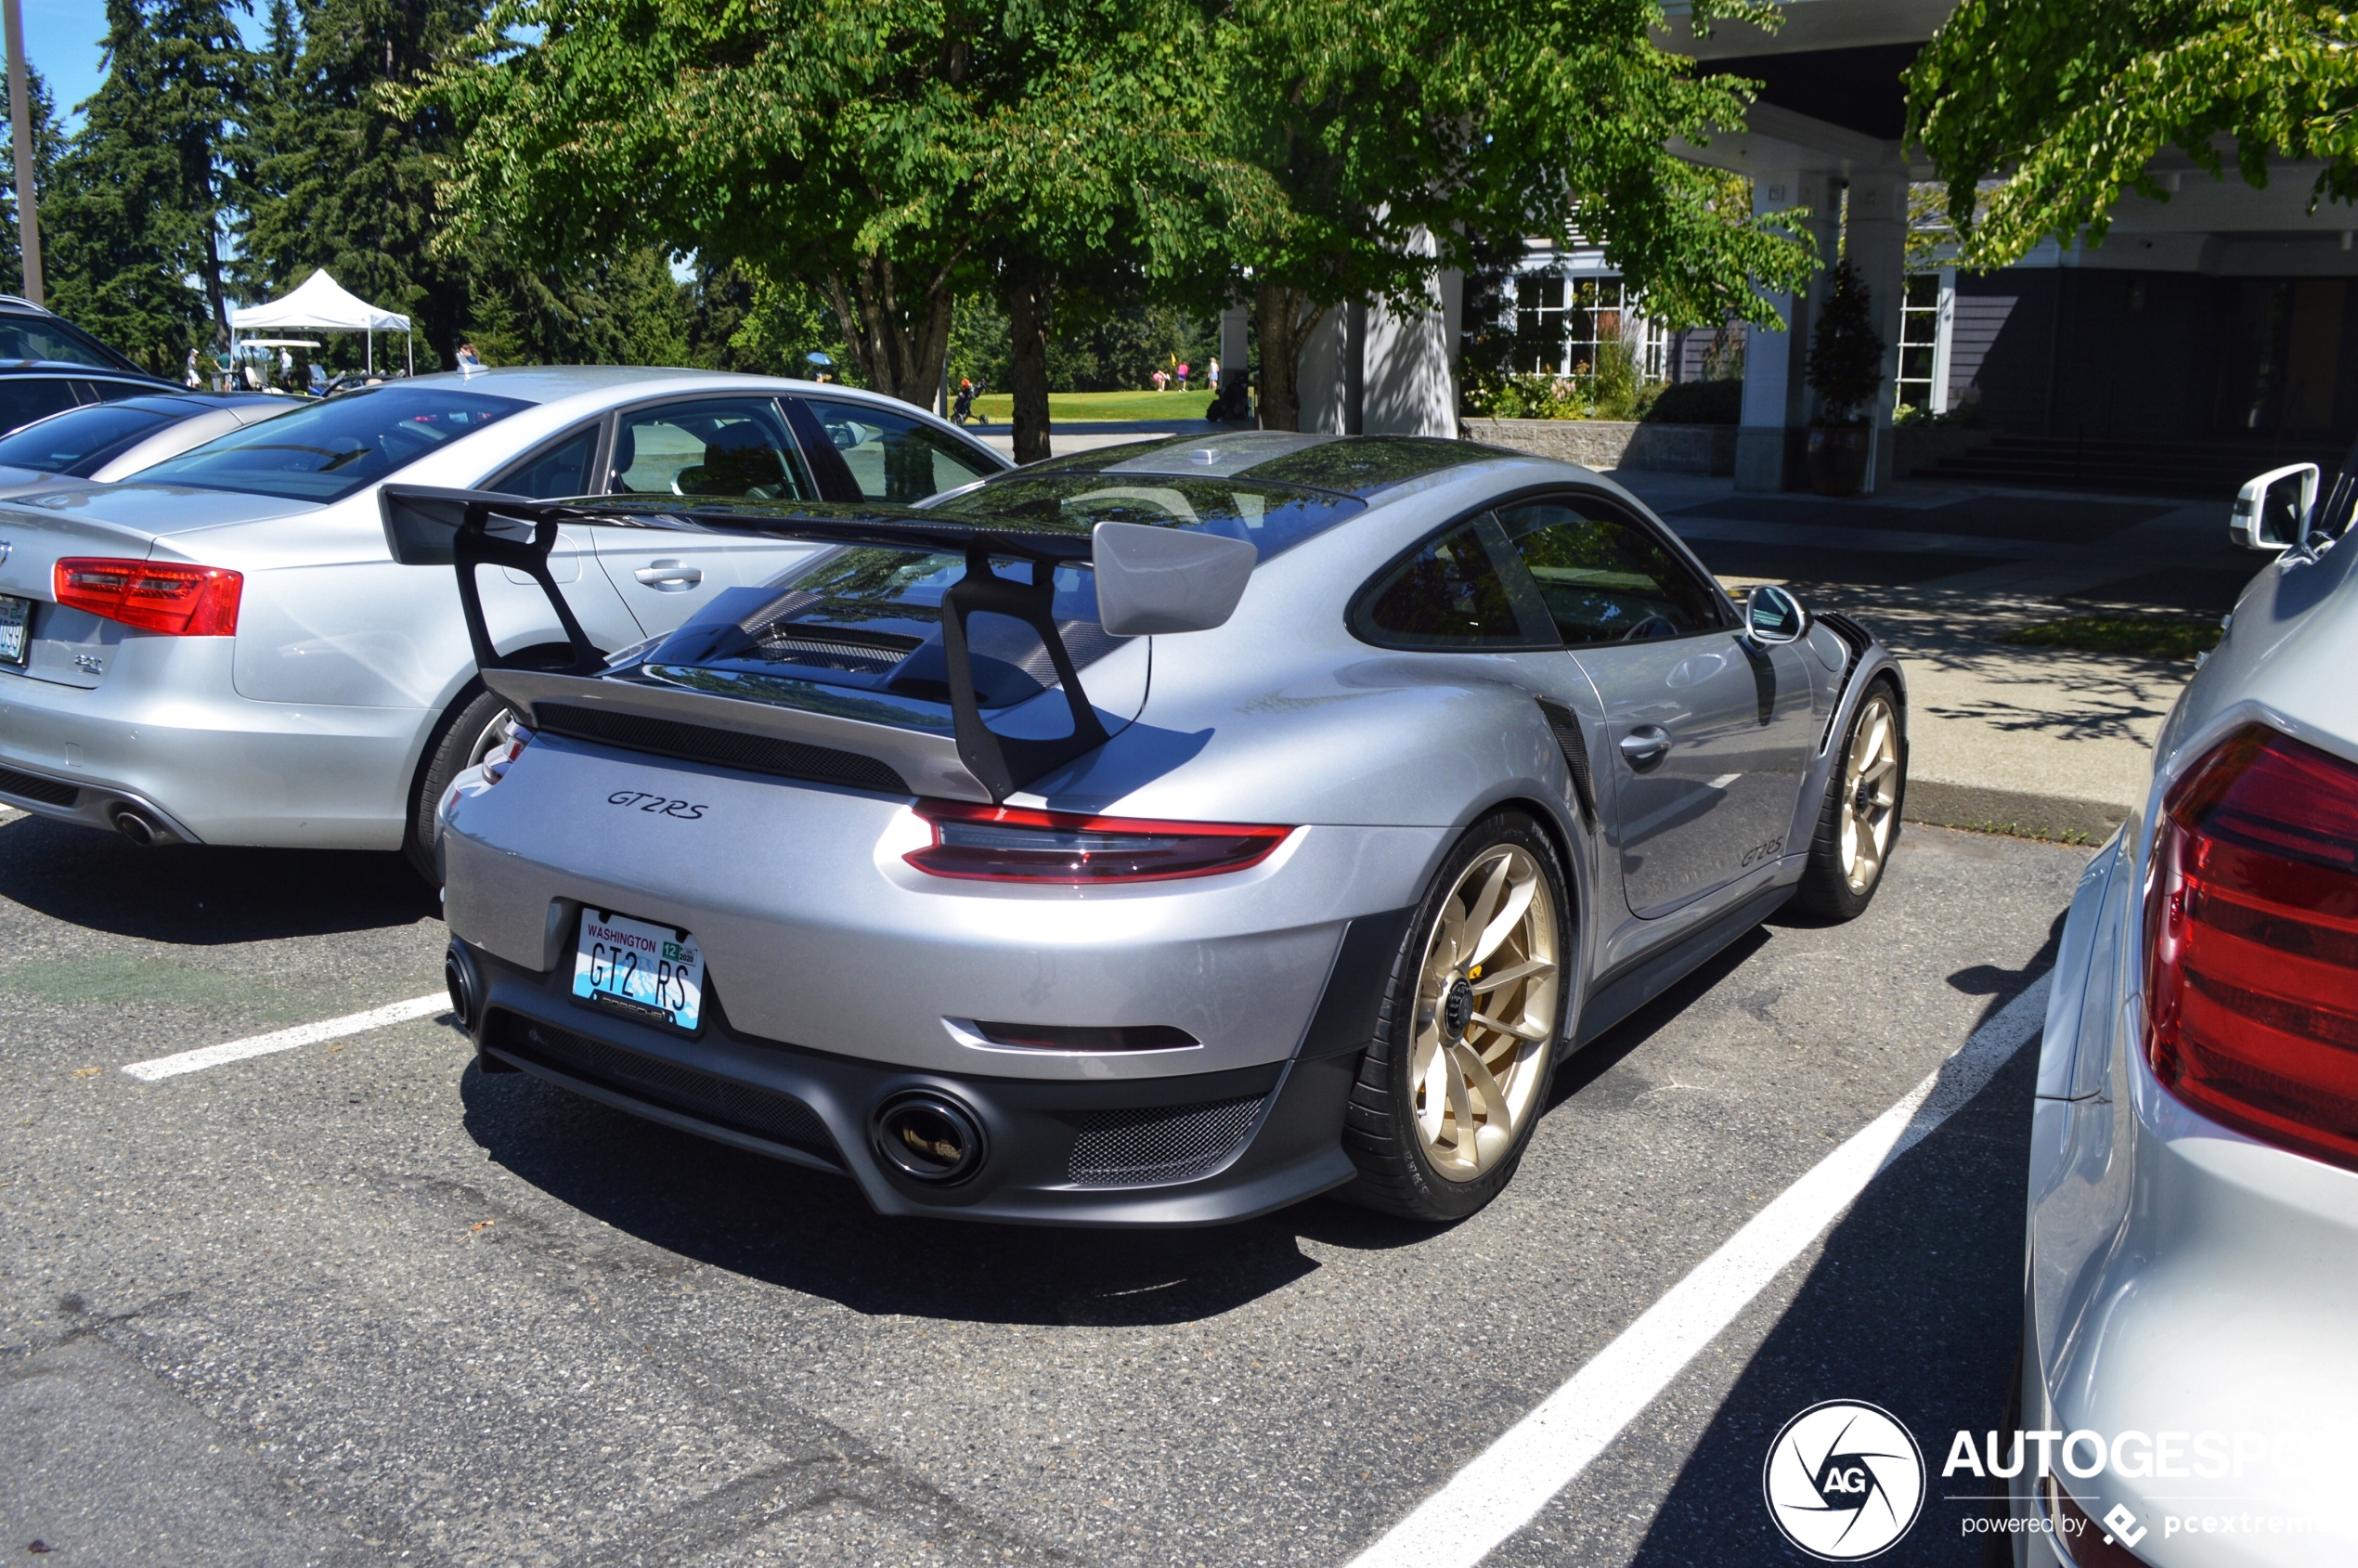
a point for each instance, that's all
(2272, 509)
(1772, 616)
(1152, 581)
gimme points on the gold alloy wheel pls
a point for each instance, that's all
(1869, 793)
(1485, 1013)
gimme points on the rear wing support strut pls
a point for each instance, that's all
(432, 526)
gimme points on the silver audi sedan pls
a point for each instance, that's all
(1156, 836)
(222, 651)
(2188, 1365)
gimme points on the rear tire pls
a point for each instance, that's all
(1859, 822)
(1455, 1078)
(476, 722)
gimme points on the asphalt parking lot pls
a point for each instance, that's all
(353, 1302)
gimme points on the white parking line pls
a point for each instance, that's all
(288, 1038)
(1507, 1485)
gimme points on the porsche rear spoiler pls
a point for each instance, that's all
(1149, 580)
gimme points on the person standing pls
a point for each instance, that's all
(193, 376)
(1211, 373)
(1183, 375)
(469, 360)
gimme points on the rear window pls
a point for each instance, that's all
(32, 338)
(869, 620)
(1270, 517)
(326, 452)
(58, 444)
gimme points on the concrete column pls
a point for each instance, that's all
(1409, 385)
(1877, 239)
(1772, 430)
(1320, 386)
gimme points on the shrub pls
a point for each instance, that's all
(1714, 402)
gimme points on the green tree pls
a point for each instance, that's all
(340, 167)
(49, 141)
(1365, 152)
(137, 222)
(882, 159)
(2039, 114)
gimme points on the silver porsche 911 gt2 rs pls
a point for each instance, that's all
(1156, 836)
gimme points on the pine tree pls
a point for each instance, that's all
(49, 140)
(136, 230)
(336, 178)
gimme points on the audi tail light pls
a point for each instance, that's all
(2251, 943)
(1012, 844)
(152, 595)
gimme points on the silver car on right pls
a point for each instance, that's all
(2189, 1388)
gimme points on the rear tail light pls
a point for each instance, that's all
(2251, 943)
(1011, 844)
(152, 595)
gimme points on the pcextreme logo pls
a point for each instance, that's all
(1844, 1479)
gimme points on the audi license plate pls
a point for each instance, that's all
(16, 626)
(654, 972)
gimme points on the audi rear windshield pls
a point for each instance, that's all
(326, 452)
(64, 442)
(1270, 517)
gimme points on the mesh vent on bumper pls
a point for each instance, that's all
(763, 1113)
(1165, 1144)
(48, 791)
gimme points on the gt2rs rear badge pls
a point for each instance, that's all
(660, 804)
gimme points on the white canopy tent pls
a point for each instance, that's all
(322, 303)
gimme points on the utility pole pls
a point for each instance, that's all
(21, 127)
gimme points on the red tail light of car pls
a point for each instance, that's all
(1012, 844)
(2251, 943)
(152, 595)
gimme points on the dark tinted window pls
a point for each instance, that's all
(1271, 517)
(325, 452)
(710, 447)
(26, 399)
(1447, 595)
(106, 392)
(892, 458)
(1604, 579)
(558, 473)
(57, 443)
(31, 337)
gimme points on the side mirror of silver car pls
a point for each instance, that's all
(1772, 616)
(1152, 581)
(2272, 509)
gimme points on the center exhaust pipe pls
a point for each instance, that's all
(929, 1137)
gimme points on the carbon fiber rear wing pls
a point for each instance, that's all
(1166, 581)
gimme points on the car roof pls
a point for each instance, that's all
(549, 383)
(82, 368)
(1352, 465)
(186, 405)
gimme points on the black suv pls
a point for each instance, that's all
(47, 364)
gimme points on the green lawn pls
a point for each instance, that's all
(1000, 406)
(2159, 637)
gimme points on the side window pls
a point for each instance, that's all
(26, 399)
(1603, 578)
(556, 472)
(893, 457)
(1447, 595)
(710, 447)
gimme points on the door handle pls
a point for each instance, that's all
(669, 577)
(1644, 746)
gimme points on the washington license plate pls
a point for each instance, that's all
(16, 625)
(654, 972)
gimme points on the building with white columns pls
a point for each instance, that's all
(2219, 319)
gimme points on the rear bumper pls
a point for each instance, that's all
(1196, 1150)
(165, 730)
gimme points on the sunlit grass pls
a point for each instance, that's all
(1075, 407)
(2155, 637)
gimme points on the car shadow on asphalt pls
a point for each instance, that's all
(204, 894)
(1915, 1305)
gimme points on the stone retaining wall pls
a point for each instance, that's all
(1666, 448)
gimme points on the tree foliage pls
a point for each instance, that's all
(136, 220)
(1374, 141)
(2066, 104)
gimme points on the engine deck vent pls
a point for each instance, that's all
(729, 748)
